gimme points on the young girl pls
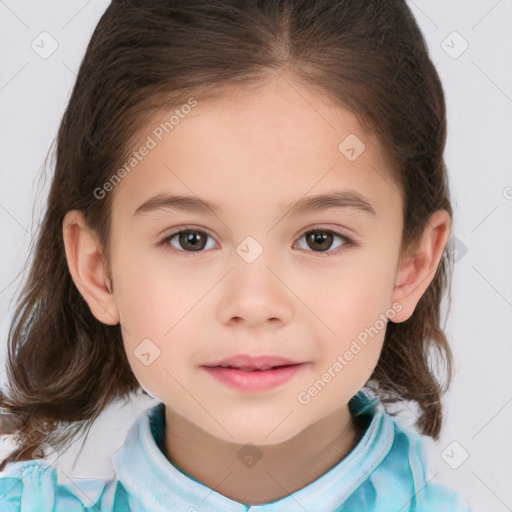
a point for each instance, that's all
(248, 221)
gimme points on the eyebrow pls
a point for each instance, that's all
(350, 199)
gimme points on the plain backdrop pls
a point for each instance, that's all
(470, 43)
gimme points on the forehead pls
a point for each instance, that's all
(273, 145)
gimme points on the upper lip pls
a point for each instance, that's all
(253, 362)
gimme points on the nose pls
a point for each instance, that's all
(254, 294)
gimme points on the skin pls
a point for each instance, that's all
(249, 153)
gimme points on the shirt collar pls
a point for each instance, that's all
(147, 474)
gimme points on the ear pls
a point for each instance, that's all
(418, 267)
(87, 267)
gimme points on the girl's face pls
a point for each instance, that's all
(250, 279)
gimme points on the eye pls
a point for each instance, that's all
(321, 239)
(194, 240)
(187, 240)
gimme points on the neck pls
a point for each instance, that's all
(282, 468)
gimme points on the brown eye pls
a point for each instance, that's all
(187, 240)
(320, 240)
(192, 240)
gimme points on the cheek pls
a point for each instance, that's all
(353, 307)
(351, 298)
(152, 292)
(156, 301)
(156, 340)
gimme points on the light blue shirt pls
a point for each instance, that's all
(385, 472)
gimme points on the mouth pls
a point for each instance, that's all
(252, 369)
(247, 379)
(248, 363)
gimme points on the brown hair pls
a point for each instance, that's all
(64, 366)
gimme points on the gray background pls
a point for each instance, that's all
(474, 454)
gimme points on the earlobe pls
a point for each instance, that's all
(87, 267)
(418, 267)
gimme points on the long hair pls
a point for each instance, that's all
(63, 365)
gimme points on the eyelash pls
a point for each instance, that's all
(348, 242)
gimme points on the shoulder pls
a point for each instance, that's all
(397, 478)
(26, 482)
(30, 485)
(409, 463)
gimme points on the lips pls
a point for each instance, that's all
(253, 363)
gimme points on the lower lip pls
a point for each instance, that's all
(261, 380)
